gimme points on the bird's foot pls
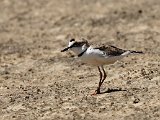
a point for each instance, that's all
(96, 92)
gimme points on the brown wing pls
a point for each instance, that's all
(111, 50)
(80, 43)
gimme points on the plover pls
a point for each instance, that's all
(97, 56)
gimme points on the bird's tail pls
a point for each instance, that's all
(131, 52)
(138, 52)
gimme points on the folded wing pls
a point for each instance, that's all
(111, 50)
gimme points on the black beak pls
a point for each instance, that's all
(65, 49)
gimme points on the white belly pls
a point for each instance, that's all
(97, 60)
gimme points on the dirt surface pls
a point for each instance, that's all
(38, 82)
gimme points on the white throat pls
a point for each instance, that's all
(77, 50)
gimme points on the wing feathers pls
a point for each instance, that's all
(111, 50)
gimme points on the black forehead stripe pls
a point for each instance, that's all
(72, 40)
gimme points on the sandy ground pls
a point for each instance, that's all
(38, 82)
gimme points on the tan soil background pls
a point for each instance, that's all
(38, 82)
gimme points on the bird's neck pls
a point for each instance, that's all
(77, 50)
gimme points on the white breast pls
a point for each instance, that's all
(76, 50)
(97, 57)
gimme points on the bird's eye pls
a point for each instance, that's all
(72, 40)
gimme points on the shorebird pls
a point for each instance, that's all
(97, 56)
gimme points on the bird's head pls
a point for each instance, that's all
(76, 47)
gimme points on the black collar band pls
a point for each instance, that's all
(82, 53)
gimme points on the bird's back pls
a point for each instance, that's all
(110, 50)
(106, 54)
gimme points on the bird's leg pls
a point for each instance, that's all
(101, 79)
(100, 82)
(104, 74)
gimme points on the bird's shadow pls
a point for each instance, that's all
(110, 90)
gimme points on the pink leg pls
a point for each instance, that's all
(104, 72)
(100, 82)
(102, 78)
